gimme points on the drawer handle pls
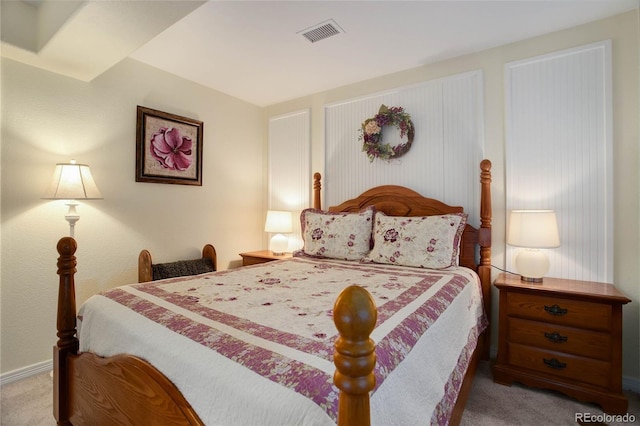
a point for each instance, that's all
(555, 310)
(555, 337)
(554, 363)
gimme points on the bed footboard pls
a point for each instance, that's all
(123, 389)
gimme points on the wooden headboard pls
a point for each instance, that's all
(396, 200)
(400, 201)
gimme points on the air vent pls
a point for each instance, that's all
(321, 31)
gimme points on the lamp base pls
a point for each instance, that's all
(72, 216)
(279, 244)
(532, 265)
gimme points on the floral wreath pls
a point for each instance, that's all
(371, 130)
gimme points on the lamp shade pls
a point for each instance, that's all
(278, 221)
(533, 229)
(72, 181)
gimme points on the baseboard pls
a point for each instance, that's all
(631, 383)
(23, 373)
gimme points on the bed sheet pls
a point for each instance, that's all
(254, 345)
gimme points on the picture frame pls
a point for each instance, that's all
(168, 148)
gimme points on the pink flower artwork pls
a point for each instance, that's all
(171, 150)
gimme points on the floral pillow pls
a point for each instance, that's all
(422, 241)
(345, 236)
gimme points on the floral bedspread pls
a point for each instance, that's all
(275, 320)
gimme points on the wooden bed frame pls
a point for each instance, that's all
(124, 389)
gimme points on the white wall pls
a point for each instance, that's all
(623, 31)
(48, 118)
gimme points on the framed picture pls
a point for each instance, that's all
(168, 148)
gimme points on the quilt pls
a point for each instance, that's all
(254, 345)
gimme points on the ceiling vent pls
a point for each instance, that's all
(321, 31)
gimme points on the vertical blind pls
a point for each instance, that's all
(444, 159)
(559, 154)
(289, 173)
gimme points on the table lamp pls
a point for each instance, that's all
(533, 230)
(278, 222)
(72, 182)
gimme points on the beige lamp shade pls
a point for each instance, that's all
(278, 221)
(72, 181)
(533, 229)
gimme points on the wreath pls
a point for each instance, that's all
(371, 130)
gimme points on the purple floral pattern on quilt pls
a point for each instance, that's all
(278, 302)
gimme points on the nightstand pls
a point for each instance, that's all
(564, 335)
(262, 256)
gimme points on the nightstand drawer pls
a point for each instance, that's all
(571, 367)
(246, 261)
(262, 256)
(558, 310)
(591, 344)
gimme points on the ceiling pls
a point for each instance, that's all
(254, 50)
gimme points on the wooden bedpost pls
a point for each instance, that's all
(66, 323)
(484, 240)
(317, 204)
(355, 315)
(145, 271)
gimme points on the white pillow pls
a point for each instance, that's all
(345, 236)
(421, 241)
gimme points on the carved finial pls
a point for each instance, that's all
(317, 186)
(485, 201)
(67, 246)
(355, 316)
(66, 324)
(66, 319)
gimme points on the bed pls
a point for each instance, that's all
(228, 347)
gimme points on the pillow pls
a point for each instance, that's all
(345, 236)
(421, 241)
